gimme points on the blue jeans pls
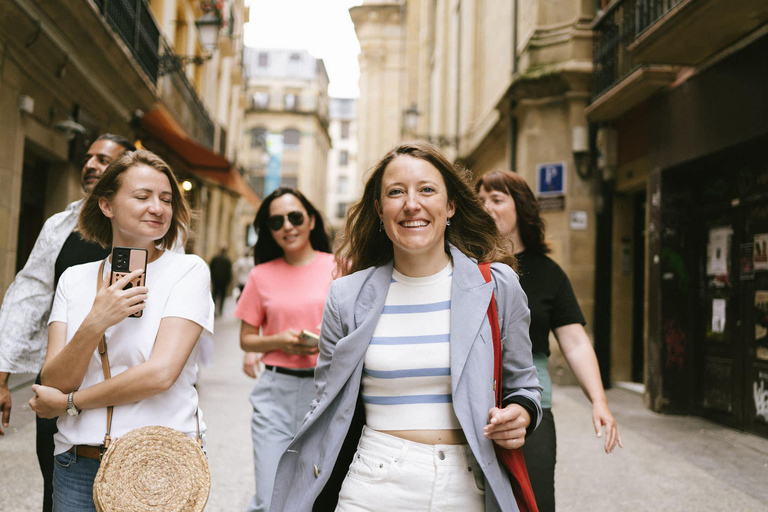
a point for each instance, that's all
(73, 483)
(280, 403)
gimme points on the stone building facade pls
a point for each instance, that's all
(72, 70)
(499, 84)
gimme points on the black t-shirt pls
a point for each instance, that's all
(550, 297)
(77, 251)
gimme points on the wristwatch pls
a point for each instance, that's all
(71, 409)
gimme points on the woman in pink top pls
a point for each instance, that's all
(285, 294)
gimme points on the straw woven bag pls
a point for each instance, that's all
(150, 468)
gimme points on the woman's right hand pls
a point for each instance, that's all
(292, 344)
(113, 304)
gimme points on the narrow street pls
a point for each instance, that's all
(669, 463)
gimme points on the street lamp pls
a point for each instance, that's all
(411, 122)
(208, 26)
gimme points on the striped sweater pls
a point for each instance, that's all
(407, 373)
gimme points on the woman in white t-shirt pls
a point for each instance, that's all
(136, 203)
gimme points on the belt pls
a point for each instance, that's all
(293, 372)
(87, 451)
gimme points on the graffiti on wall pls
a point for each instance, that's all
(675, 344)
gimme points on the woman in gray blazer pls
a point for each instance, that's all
(404, 417)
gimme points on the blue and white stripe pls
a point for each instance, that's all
(407, 374)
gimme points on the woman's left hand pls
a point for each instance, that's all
(507, 426)
(602, 417)
(48, 402)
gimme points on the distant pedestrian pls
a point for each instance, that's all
(511, 203)
(221, 277)
(27, 303)
(242, 269)
(137, 203)
(405, 371)
(285, 294)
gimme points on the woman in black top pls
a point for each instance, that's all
(509, 200)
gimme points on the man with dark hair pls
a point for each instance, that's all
(27, 303)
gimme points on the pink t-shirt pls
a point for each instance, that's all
(279, 296)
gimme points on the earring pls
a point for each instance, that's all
(381, 226)
(448, 222)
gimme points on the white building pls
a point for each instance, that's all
(344, 175)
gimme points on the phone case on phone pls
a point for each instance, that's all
(124, 261)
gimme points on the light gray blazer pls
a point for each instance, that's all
(351, 313)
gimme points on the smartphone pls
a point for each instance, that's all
(309, 339)
(124, 261)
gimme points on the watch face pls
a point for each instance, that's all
(72, 411)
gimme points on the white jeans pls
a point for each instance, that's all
(389, 473)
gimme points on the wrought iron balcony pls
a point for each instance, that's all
(614, 32)
(132, 20)
(180, 97)
(620, 81)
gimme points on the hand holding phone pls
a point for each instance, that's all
(309, 339)
(126, 260)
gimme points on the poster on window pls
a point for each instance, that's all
(746, 262)
(760, 257)
(718, 315)
(761, 324)
(718, 250)
(760, 396)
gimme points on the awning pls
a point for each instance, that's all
(233, 181)
(199, 160)
(161, 124)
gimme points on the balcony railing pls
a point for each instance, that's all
(650, 11)
(132, 20)
(182, 100)
(614, 32)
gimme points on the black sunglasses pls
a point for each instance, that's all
(275, 222)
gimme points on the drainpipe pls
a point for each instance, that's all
(512, 118)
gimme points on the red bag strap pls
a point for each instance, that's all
(512, 460)
(493, 318)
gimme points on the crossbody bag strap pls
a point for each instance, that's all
(105, 364)
(108, 374)
(493, 318)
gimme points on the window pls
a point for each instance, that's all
(343, 157)
(341, 209)
(342, 187)
(263, 60)
(295, 56)
(345, 129)
(261, 99)
(259, 137)
(291, 138)
(291, 101)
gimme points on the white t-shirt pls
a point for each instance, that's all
(179, 286)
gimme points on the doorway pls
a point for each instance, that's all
(34, 183)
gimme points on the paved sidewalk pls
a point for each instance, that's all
(669, 463)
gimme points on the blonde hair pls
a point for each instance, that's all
(94, 226)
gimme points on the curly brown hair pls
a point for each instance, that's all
(94, 226)
(530, 225)
(472, 230)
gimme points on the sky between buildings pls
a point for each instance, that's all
(321, 26)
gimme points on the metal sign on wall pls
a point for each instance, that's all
(550, 186)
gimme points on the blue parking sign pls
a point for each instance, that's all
(550, 179)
